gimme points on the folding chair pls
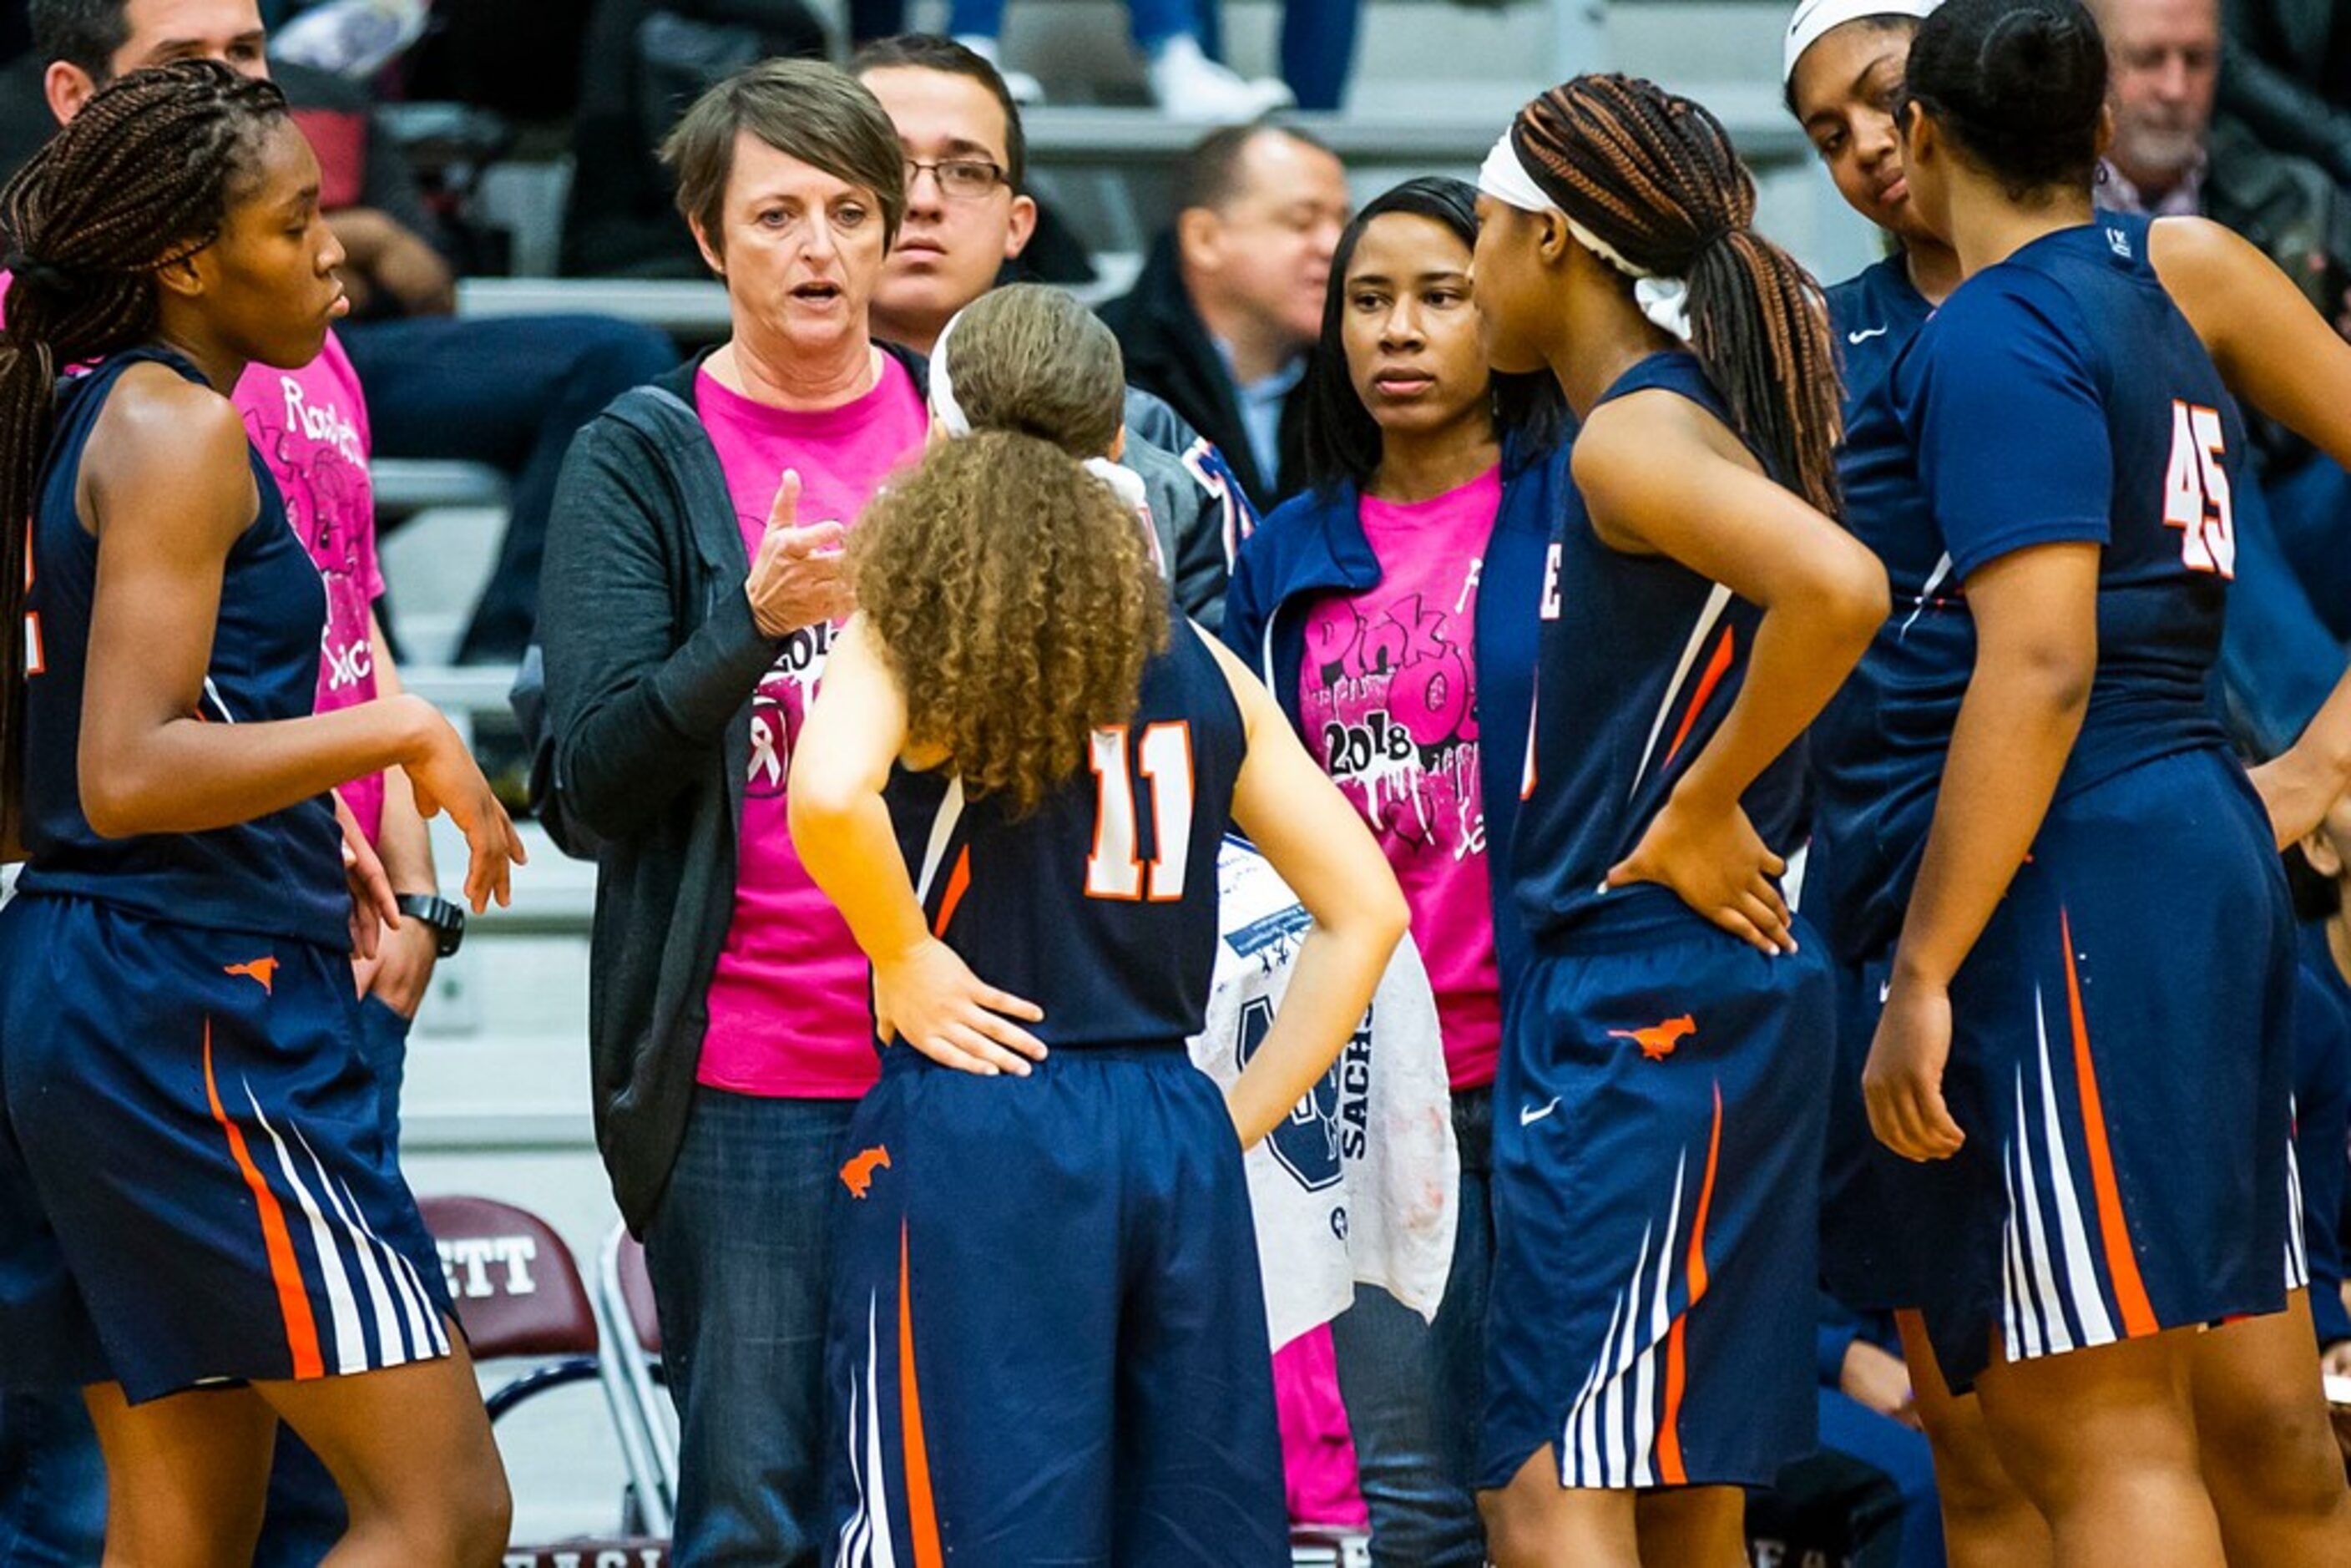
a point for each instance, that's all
(518, 1296)
(625, 1301)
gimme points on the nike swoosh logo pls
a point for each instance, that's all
(1864, 337)
(1529, 1114)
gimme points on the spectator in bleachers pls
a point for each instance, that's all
(505, 391)
(1223, 321)
(1435, 485)
(2286, 75)
(2281, 653)
(959, 128)
(640, 62)
(1185, 80)
(689, 610)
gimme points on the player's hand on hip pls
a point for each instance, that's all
(2297, 792)
(932, 1001)
(373, 906)
(1902, 1082)
(1713, 857)
(796, 576)
(445, 778)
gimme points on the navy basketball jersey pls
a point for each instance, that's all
(1101, 905)
(1639, 659)
(2059, 396)
(1873, 314)
(280, 874)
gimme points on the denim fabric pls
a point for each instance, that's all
(1150, 21)
(2311, 509)
(1900, 1454)
(1412, 1388)
(741, 1258)
(52, 1481)
(510, 391)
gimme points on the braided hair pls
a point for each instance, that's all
(140, 179)
(1652, 177)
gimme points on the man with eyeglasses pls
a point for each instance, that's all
(966, 219)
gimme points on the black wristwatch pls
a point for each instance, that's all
(445, 920)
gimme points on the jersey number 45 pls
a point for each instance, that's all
(2196, 491)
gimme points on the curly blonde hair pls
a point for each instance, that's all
(1014, 597)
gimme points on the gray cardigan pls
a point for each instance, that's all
(652, 659)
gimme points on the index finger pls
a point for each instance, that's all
(786, 509)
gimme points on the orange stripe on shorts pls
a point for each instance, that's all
(293, 1300)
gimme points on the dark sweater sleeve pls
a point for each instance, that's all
(637, 713)
(2282, 111)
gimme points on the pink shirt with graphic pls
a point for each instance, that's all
(310, 427)
(1388, 694)
(790, 1012)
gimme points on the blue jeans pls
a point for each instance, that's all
(1412, 1388)
(53, 1479)
(2311, 506)
(741, 1258)
(1901, 1455)
(510, 391)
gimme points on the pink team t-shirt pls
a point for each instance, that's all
(1388, 693)
(790, 1013)
(310, 428)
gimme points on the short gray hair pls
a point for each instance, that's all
(805, 109)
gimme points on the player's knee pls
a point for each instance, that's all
(2278, 1455)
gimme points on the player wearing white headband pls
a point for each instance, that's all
(1660, 1102)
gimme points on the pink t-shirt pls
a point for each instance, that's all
(1388, 693)
(791, 1008)
(310, 427)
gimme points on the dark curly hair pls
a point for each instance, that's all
(1014, 597)
(142, 178)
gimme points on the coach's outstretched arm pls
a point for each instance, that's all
(1313, 837)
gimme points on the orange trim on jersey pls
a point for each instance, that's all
(2113, 1231)
(958, 884)
(1715, 668)
(1669, 1436)
(293, 1300)
(922, 1515)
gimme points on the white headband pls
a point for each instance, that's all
(1124, 482)
(1814, 19)
(1505, 177)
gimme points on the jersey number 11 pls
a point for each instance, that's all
(2196, 491)
(1164, 759)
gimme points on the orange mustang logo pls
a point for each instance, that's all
(1657, 1041)
(857, 1175)
(263, 970)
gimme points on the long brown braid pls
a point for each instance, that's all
(1654, 176)
(142, 178)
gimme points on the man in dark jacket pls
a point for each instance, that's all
(1229, 305)
(2286, 77)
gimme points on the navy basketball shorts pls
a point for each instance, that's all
(196, 1187)
(1048, 1339)
(1876, 1255)
(1658, 1121)
(2122, 1064)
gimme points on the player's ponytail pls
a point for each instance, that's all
(1650, 182)
(1016, 601)
(2021, 85)
(139, 179)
